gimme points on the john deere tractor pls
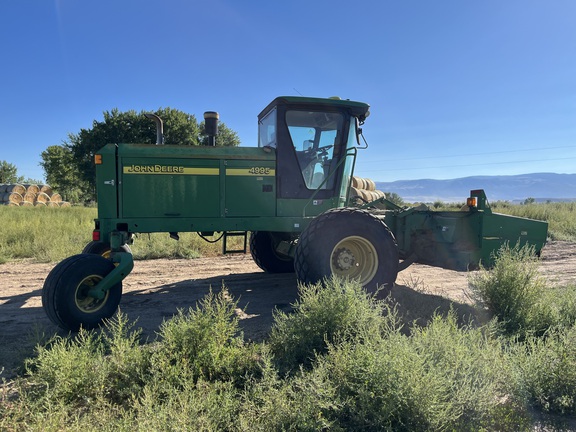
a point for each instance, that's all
(291, 193)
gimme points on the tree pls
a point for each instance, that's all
(131, 127)
(9, 173)
(226, 137)
(529, 201)
(62, 174)
(395, 198)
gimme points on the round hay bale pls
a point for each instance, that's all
(18, 188)
(52, 204)
(64, 204)
(364, 193)
(56, 197)
(39, 204)
(30, 196)
(370, 184)
(43, 197)
(355, 192)
(12, 204)
(32, 188)
(357, 183)
(27, 204)
(46, 189)
(380, 194)
(2, 188)
(13, 197)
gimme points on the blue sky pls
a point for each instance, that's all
(457, 88)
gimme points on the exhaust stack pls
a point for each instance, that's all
(211, 126)
(159, 127)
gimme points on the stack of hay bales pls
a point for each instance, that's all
(364, 190)
(15, 194)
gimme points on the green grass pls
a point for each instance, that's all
(561, 217)
(52, 234)
(44, 234)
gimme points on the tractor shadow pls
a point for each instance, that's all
(417, 308)
(258, 295)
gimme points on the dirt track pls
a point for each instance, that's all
(156, 289)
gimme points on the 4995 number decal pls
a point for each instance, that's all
(259, 171)
(252, 171)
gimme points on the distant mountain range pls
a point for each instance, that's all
(515, 188)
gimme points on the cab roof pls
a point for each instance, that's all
(356, 109)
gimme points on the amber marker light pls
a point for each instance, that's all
(471, 202)
(98, 159)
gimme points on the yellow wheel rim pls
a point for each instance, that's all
(354, 257)
(83, 300)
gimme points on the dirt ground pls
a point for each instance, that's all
(156, 289)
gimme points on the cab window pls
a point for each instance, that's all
(267, 130)
(315, 137)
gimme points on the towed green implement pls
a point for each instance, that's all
(291, 193)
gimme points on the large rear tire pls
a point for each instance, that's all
(65, 296)
(349, 243)
(263, 250)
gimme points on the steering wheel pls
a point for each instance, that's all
(323, 151)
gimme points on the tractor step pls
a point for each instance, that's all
(227, 234)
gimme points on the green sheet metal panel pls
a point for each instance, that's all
(309, 207)
(169, 187)
(497, 229)
(250, 188)
(107, 182)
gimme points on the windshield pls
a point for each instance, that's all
(315, 137)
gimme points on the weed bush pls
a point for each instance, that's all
(199, 406)
(324, 313)
(305, 401)
(107, 365)
(511, 291)
(545, 371)
(518, 296)
(440, 378)
(339, 362)
(204, 343)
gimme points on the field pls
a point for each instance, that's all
(158, 288)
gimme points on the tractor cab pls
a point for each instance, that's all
(315, 141)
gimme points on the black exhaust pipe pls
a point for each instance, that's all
(211, 126)
(159, 127)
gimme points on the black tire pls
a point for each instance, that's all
(349, 243)
(102, 248)
(64, 296)
(263, 251)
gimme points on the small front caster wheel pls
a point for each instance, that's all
(102, 248)
(66, 296)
